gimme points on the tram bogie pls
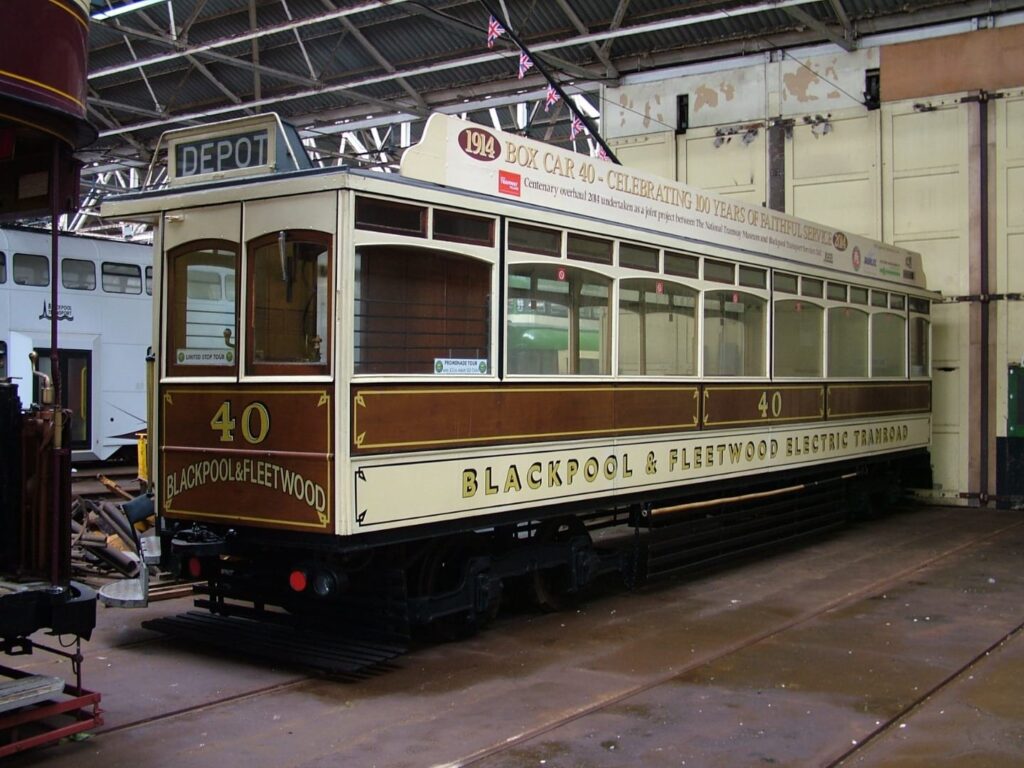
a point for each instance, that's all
(422, 388)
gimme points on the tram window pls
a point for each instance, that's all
(584, 248)
(752, 277)
(784, 283)
(811, 287)
(389, 216)
(836, 292)
(463, 228)
(657, 328)
(847, 342)
(888, 345)
(799, 338)
(3, 267)
(149, 280)
(121, 278)
(415, 308)
(734, 334)
(897, 301)
(879, 299)
(681, 264)
(30, 269)
(920, 364)
(638, 257)
(858, 295)
(289, 303)
(559, 320)
(719, 271)
(78, 274)
(523, 237)
(202, 324)
(3, 358)
(921, 306)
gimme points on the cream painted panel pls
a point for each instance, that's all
(848, 148)
(947, 464)
(218, 222)
(927, 203)
(317, 211)
(931, 139)
(945, 266)
(847, 205)
(731, 167)
(652, 153)
(1012, 201)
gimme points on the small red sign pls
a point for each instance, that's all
(510, 183)
(855, 257)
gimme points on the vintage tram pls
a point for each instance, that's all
(487, 367)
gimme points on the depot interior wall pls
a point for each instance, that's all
(908, 173)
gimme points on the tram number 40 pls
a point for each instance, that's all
(255, 423)
(772, 404)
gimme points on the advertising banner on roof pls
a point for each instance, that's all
(472, 157)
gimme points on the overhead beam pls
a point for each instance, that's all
(821, 28)
(582, 29)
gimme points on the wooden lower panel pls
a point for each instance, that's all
(412, 418)
(871, 399)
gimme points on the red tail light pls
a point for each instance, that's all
(298, 580)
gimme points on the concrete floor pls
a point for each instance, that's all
(896, 642)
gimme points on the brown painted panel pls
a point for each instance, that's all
(987, 59)
(728, 405)
(411, 418)
(849, 400)
(259, 455)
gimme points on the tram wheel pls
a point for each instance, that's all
(441, 571)
(551, 587)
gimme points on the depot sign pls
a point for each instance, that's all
(223, 153)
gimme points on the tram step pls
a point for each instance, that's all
(334, 654)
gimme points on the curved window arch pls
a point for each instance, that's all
(798, 338)
(888, 344)
(847, 342)
(289, 303)
(734, 334)
(421, 311)
(559, 320)
(657, 328)
(202, 316)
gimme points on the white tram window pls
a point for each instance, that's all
(719, 271)
(847, 342)
(121, 278)
(419, 311)
(78, 274)
(559, 320)
(31, 269)
(289, 303)
(531, 239)
(784, 283)
(149, 281)
(734, 334)
(638, 257)
(586, 248)
(888, 344)
(657, 328)
(799, 338)
(3, 267)
(920, 356)
(202, 324)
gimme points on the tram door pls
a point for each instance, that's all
(75, 390)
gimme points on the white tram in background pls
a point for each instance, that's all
(444, 380)
(104, 318)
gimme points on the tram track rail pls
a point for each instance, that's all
(605, 703)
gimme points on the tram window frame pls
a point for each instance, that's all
(879, 299)
(858, 295)
(119, 277)
(223, 251)
(392, 334)
(42, 277)
(288, 366)
(790, 351)
(898, 302)
(81, 279)
(838, 349)
(148, 280)
(785, 282)
(752, 277)
(3, 267)
(522, 246)
(582, 287)
(760, 350)
(682, 264)
(642, 338)
(881, 339)
(919, 355)
(641, 257)
(812, 287)
(715, 270)
(455, 217)
(377, 214)
(595, 250)
(836, 291)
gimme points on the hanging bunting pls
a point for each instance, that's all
(524, 64)
(576, 128)
(551, 99)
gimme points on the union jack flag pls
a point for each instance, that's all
(601, 153)
(576, 128)
(524, 64)
(551, 98)
(494, 31)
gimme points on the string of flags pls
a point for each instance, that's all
(496, 30)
